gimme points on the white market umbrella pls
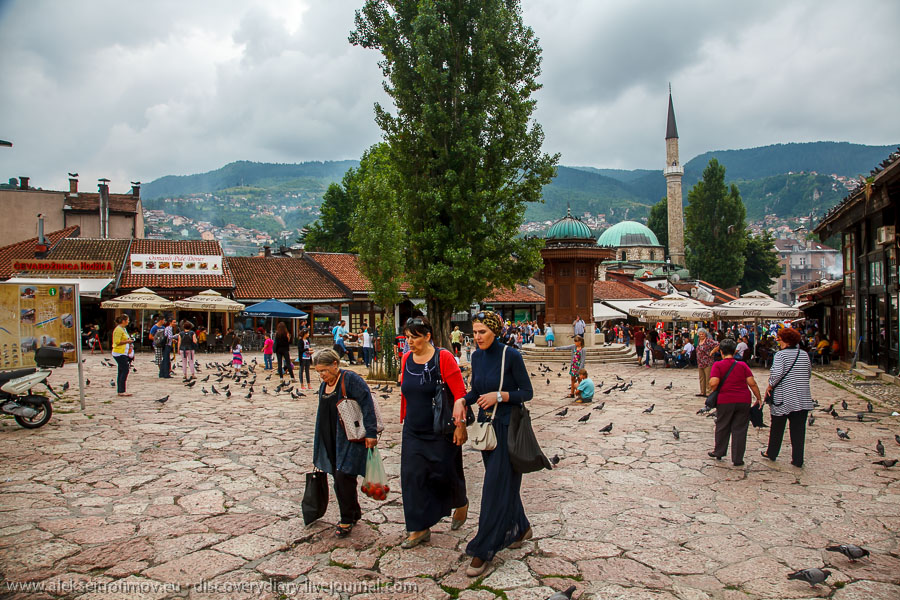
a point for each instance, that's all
(210, 301)
(140, 299)
(755, 305)
(673, 307)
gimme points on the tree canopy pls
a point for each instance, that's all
(760, 263)
(715, 236)
(658, 222)
(331, 233)
(462, 142)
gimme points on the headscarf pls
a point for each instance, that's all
(490, 320)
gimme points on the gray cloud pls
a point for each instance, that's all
(137, 91)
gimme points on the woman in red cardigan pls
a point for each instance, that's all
(431, 467)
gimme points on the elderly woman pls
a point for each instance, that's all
(502, 522)
(332, 451)
(577, 363)
(431, 464)
(706, 347)
(791, 397)
(732, 403)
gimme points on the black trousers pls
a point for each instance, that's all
(123, 363)
(797, 421)
(732, 420)
(284, 364)
(348, 501)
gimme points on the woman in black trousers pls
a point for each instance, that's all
(791, 397)
(282, 350)
(502, 522)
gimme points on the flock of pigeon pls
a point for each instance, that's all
(862, 417)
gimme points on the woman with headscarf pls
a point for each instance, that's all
(431, 465)
(502, 522)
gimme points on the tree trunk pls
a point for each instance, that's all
(440, 317)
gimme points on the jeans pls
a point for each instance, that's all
(123, 363)
(367, 355)
(165, 363)
(267, 361)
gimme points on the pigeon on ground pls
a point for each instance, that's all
(869, 407)
(879, 448)
(811, 576)
(205, 379)
(860, 417)
(163, 400)
(554, 460)
(192, 383)
(214, 390)
(653, 382)
(607, 429)
(584, 418)
(897, 438)
(851, 551)
(619, 378)
(548, 381)
(812, 419)
(676, 433)
(609, 390)
(650, 409)
(112, 383)
(829, 409)
(249, 395)
(566, 595)
(228, 394)
(204, 390)
(703, 411)
(886, 463)
(669, 387)
(600, 406)
(842, 434)
(65, 386)
(563, 412)
(844, 404)
(834, 413)
(133, 370)
(265, 391)
(88, 382)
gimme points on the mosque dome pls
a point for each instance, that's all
(628, 233)
(569, 228)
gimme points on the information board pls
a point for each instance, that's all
(37, 315)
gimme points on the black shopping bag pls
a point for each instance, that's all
(525, 453)
(315, 497)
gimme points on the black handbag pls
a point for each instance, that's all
(315, 497)
(525, 453)
(712, 400)
(442, 405)
(770, 394)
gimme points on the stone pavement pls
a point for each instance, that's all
(200, 498)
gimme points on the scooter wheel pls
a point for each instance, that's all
(40, 404)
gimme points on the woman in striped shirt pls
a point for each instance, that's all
(791, 398)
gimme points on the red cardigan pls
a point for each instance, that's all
(450, 373)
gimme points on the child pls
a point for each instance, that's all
(237, 359)
(268, 351)
(585, 391)
(469, 352)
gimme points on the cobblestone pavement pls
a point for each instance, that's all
(200, 498)
(887, 393)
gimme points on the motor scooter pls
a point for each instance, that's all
(17, 398)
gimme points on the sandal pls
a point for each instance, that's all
(457, 523)
(343, 530)
(765, 455)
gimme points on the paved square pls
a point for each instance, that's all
(200, 498)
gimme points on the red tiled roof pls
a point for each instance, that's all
(720, 294)
(118, 203)
(616, 290)
(190, 282)
(25, 249)
(638, 286)
(818, 289)
(91, 249)
(344, 266)
(282, 278)
(520, 294)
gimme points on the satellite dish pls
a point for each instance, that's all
(676, 277)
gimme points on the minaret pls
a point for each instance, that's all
(673, 172)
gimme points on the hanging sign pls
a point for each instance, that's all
(175, 264)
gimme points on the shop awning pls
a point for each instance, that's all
(603, 312)
(90, 288)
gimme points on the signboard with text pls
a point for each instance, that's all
(175, 264)
(37, 315)
(68, 267)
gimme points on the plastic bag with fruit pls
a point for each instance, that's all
(375, 482)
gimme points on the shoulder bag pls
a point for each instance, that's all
(481, 433)
(770, 394)
(442, 404)
(351, 416)
(712, 400)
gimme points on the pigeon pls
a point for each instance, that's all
(548, 381)
(565, 411)
(112, 383)
(559, 374)
(249, 395)
(265, 391)
(650, 409)
(619, 378)
(844, 404)
(555, 460)
(226, 387)
(163, 400)
(600, 406)
(886, 463)
(897, 438)
(834, 413)
(607, 429)
(65, 386)
(584, 418)
(191, 384)
(609, 390)
(812, 419)
(703, 411)
(860, 417)
(668, 387)
(88, 382)
(204, 390)
(842, 434)
(851, 551)
(829, 409)
(811, 576)
(214, 390)
(228, 394)
(133, 370)
(676, 433)
(869, 407)
(566, 595)
(653, 382)
(205, 379)
(532, 375)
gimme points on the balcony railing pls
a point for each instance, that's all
(674, 170)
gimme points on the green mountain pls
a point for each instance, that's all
(586, 191)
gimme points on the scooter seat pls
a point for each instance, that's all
(15, 374)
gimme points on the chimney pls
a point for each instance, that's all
(103, 188)
(41, 248)
(136, 188)
(23, 182)
(267, 251)
(73, 185)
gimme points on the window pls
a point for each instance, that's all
(565, 272)
(849, 251)
(581, 271)
(876, 272)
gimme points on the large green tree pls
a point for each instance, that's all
(658, 222)
(331, 232)
(760, 263)
(462, 141)
(715, 229)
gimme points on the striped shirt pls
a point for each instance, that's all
(792, 394)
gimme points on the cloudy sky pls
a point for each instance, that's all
(138, 90)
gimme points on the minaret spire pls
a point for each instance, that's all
(673, 172)
(671, 129)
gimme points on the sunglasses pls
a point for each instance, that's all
(480, 316)
(414, 321)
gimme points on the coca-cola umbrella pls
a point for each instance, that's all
(209, 301)
(673, 307)
(755, 305)
(140, 299)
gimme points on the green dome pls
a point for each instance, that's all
(628, 233)
(569, 228)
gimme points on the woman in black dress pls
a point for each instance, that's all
(431, 465)
(332, 451)
(502, 522)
